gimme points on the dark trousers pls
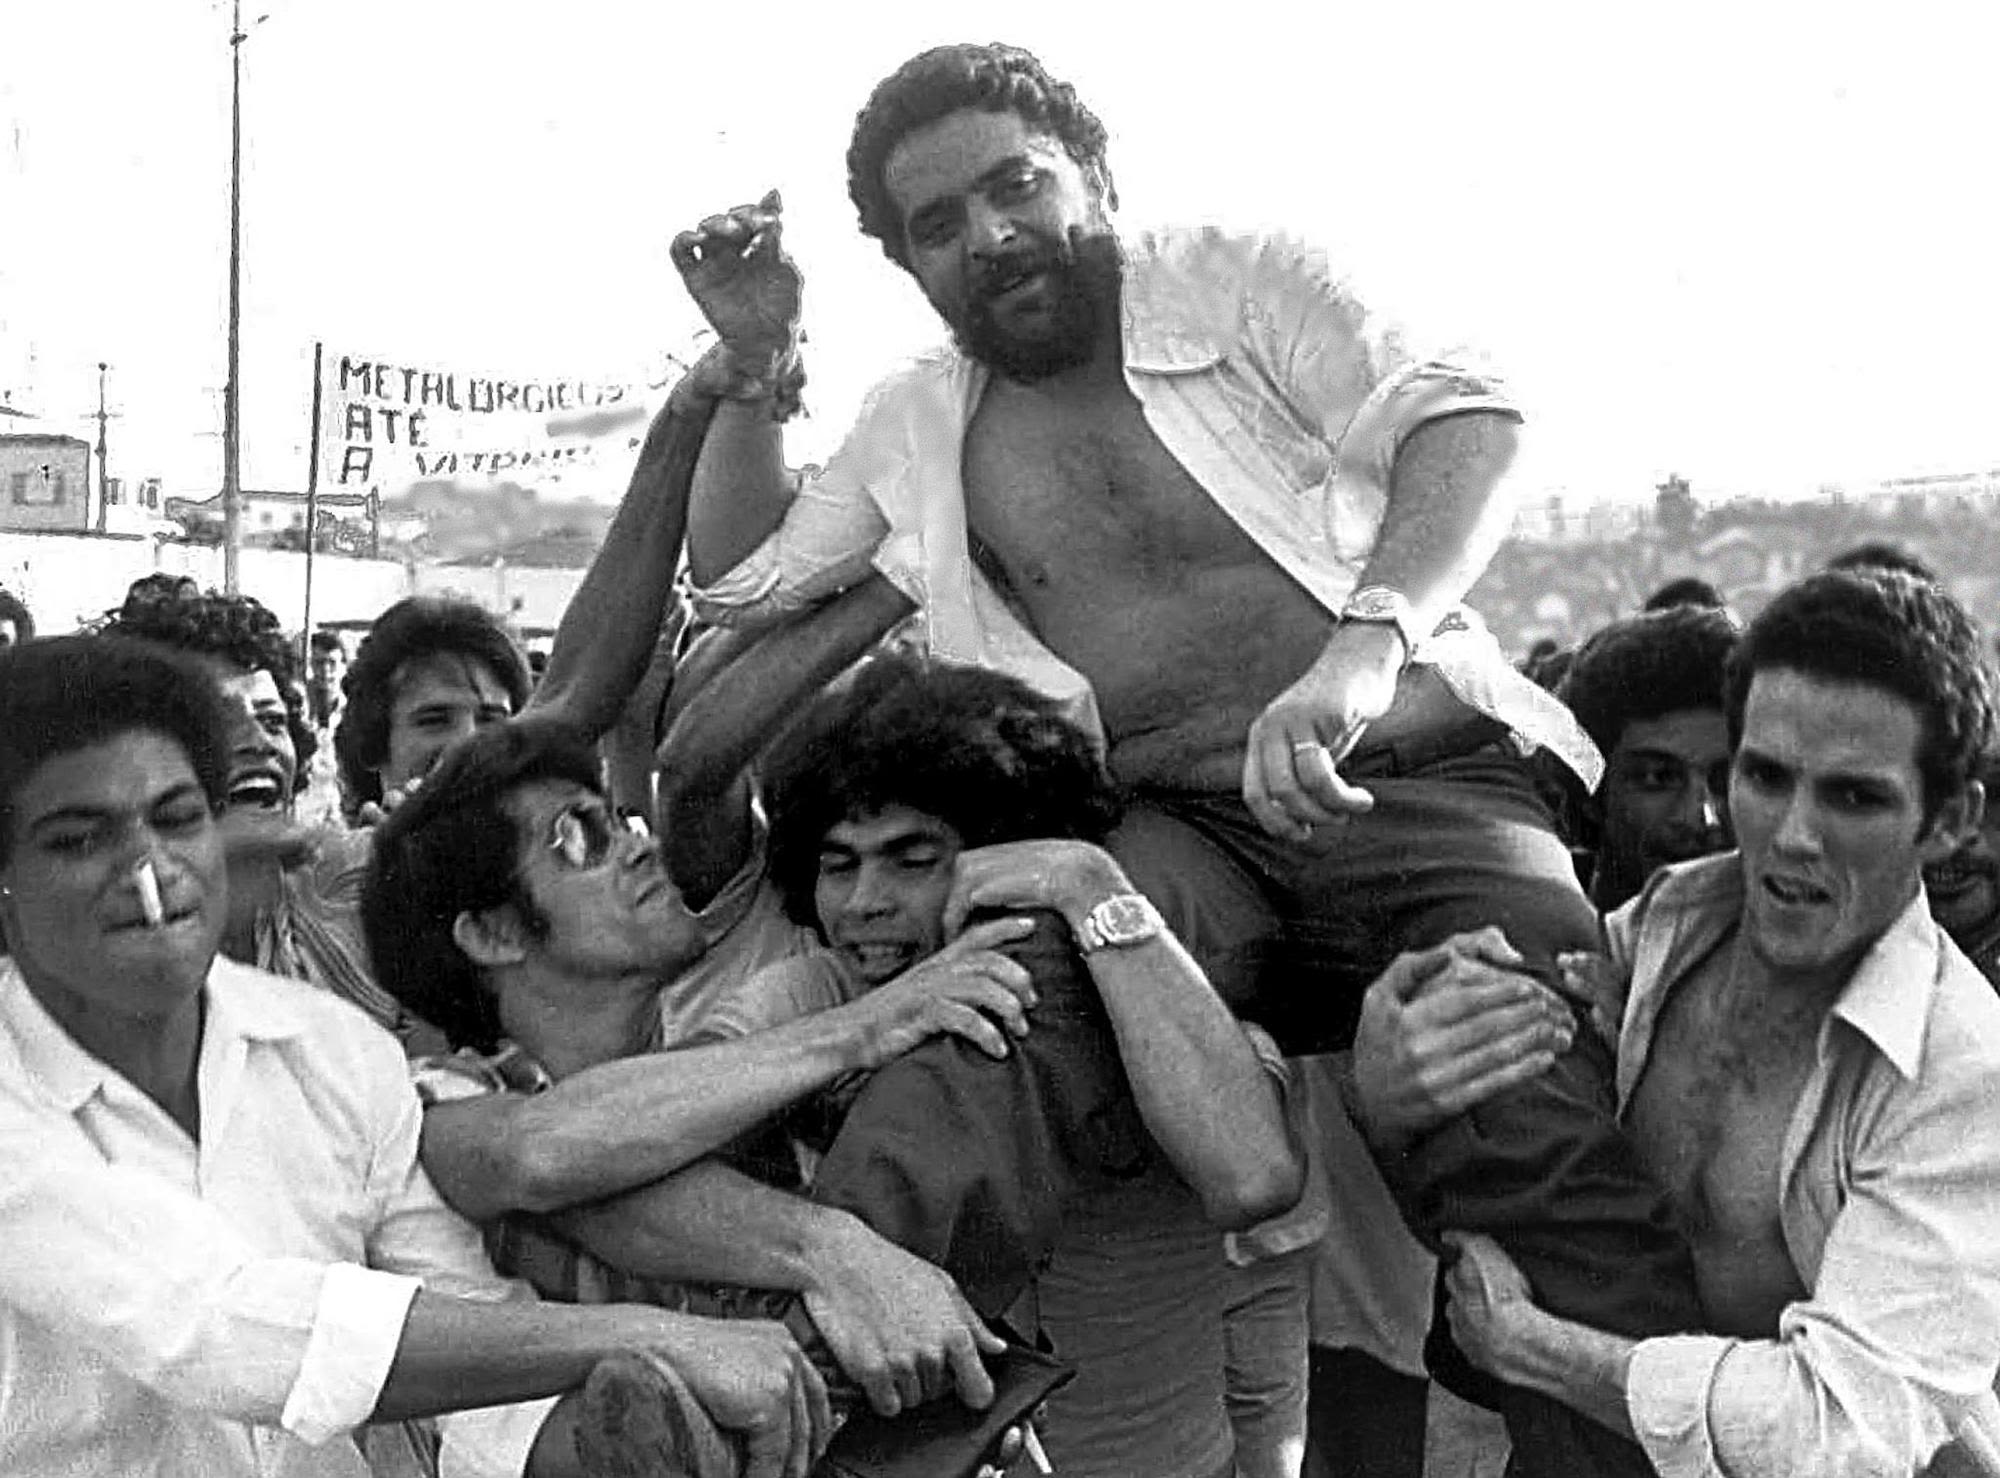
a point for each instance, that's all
(1293, 933)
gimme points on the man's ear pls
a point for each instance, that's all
(491, 938)
(1098, 177)
(1954, 824)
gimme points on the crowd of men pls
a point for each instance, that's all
(1055, 941)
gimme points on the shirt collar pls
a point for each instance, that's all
(1175, 319)
(1889, 998)
(240, 1004)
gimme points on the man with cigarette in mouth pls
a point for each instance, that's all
(293, 892)
(222, 1255)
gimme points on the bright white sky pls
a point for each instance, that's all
(1753, 241)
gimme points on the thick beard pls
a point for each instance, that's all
(1084, 272)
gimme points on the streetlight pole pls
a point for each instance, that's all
(103, 451)
(232, 481)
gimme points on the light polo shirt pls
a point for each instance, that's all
(229, 1307)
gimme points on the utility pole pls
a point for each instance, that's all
(103, 449)
(232, 481)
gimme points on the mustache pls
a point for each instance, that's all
(997, 273)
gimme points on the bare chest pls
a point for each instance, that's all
(1710, 1117)
(1056, 489)
(1130, 572)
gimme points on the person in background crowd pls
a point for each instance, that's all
(16, 624)
(1964, 889)
(1878, 554)
(431, 671)
(222, 1257)
(1648, 690)
(326, 669)
(1688, 590)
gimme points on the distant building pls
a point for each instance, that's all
(44, 481)
(270, 515)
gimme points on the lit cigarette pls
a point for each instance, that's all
(148, 884)
(1032, 1445)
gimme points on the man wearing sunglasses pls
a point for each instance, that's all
(534, 928)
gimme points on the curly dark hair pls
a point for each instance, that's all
(450, 849)
(416, 626)
(237, 628)
(978, 750)
(942, 81)
(65, 693)
(1647, 666)
(1890, 630)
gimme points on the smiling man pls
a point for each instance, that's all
(431, 671)
(1809, 1066)
(1964, 889)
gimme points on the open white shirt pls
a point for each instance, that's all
(1889, 1199)
(1265, 377)
(230, 1307)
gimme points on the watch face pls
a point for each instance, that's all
(1126, 920)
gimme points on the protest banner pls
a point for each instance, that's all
(380, 426)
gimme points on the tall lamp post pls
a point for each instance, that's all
(103, 450)
(232, 481)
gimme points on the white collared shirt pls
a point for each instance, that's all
(1263, 375)
(1889, 1201)
(229, 1307)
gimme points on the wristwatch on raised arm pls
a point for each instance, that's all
(1119, 922)
(1386, 606)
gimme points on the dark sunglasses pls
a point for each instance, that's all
(584, 832)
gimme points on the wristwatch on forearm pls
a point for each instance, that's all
(1119, 922)
(1383, 605)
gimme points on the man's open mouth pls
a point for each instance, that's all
(257, 789)
(1002, 280)
(1796, 892)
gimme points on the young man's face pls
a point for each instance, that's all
(72, 909)
(438, 700)
(1666, 789)
(609, 906)
(325, 669)
(1008, 237)
(1828, 805)
(880, 896)
(263, 761)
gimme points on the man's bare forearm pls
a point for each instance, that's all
(741, 488)
(1447, 510)
(624, 1124)
(457, 1353)
(607, 634)
(1581, 1367)
(1217, 1114)
(710, 1223)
